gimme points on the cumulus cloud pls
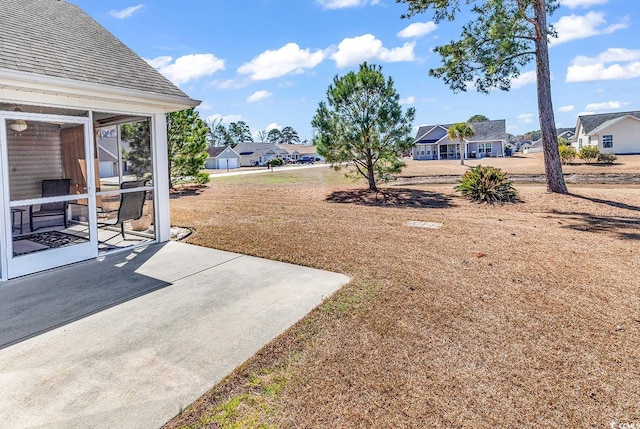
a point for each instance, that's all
(125, 13)
(573, 4)
(627, 66)
(567, 108)
(272, 126)
(409, 100)
(258, 95)
(526, 118)
(355, 50)
(226, 119)
(572, 27)
(525, 78)
(187, 67)
(417, 29)
(288, 59)
(607, 105)
(342, 4)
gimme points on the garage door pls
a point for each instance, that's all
(233, 162)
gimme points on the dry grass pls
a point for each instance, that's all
(521, 315)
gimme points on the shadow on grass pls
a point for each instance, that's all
(626, 228)
(394, 197)
(186, 191)
(615, 204)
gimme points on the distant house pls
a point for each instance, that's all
(253, 154)
(566, 133)
(432, 142)
(222, 157)
(296, 151)
(617, 133)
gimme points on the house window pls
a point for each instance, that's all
(607, 141)
(484, 147)
(422, 153)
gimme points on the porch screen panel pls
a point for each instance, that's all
(34, 154)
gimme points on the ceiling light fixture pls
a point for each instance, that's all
(18, 125)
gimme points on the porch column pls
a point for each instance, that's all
(161, 177)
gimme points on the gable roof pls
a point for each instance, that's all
(251, 148)
(591, 122)
(611, 122)
(215, 151)
(57, 39)
(485, 131)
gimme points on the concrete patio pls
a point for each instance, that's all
(130, 340)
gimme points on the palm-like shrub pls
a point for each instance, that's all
(567, 153)
(589, 153)
(487, 184)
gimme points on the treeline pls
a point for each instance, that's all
(238, 132)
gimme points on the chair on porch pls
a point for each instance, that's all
(51, 188)
(131, 204)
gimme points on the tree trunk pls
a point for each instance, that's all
(371, 178)
(552, 164)
(461, 153)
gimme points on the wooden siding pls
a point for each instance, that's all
(34, 154)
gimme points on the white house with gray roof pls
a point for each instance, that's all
(617, 133)
(63, 79)
(432, 142)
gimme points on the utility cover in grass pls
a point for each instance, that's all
(418, 224)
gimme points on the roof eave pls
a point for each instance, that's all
(11, 79)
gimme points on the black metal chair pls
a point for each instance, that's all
(131, 204)
(52, 188)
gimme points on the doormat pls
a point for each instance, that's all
(44, 240)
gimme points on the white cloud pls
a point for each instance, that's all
(525, 78)
(586, 113)
(355, 50)
(572, 4)
(258, 95)
(342, 4)
(417, 29)
(572, 27)
(568, 108)
(583, 69)
(288, 59)
(607, 105)
(273, 125)
(187, 67)
(226, 119)
(409, 100)
(526, 118)
(125, 13)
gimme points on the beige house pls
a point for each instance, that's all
(617, 133)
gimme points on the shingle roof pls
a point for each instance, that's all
(58, 39)
(486, 130)
(215, 151)
(591, 122)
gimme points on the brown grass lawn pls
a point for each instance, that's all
(519, 315)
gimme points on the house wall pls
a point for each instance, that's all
(626, 137)
(34, 154)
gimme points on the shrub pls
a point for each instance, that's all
(606, 158)
(567, 154)
(487, 184)
(276, 161)
(589, 153)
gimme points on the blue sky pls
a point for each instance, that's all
(270, 62)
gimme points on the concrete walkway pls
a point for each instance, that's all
(241, 172)
(131, 340)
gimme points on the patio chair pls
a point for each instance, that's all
(52, 188)
(131, 204)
